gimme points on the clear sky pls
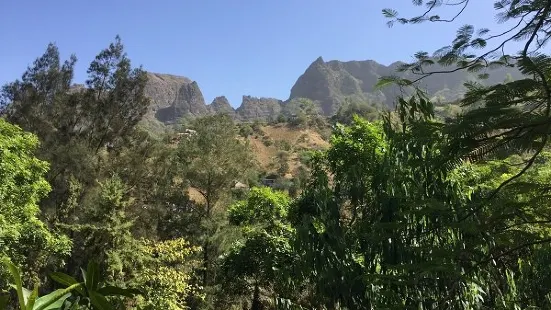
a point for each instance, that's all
(230, 47)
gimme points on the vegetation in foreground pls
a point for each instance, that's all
(403, 211)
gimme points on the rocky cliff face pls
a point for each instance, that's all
(331, 83)
(173, 97)
(163, 88)
(188, 101)
(253, 108)
(328, 84)
(221, 105)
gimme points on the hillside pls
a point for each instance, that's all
(281, 153)
(269, 144)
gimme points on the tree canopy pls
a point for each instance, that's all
(403, 210)
(25, 239)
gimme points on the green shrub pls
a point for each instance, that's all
(245, 130)
(267, 141)
(283, 145)
(257, 128)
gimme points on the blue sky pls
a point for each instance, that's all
(230, 47)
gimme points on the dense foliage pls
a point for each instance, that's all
(23, 237)
(431, 206)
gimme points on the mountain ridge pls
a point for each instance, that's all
(329, 84)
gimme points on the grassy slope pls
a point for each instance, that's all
(298, 139)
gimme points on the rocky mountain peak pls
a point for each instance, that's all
(187, 100)
(329, 84)
(318, 61)
(259, 108)
(221, 105)
(162, 88)
(332, 83)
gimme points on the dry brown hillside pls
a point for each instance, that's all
(272, 144)
(275, 139)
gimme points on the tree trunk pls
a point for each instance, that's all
(257, 305)
(205, 263)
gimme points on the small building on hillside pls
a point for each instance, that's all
(239, 185)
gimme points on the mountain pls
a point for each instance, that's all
(168, 94)
(221, 105)
(253, 108)
(173, 97)
(328, 84)
(162, 89)
(331, 83)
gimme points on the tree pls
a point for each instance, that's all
(118, 192)
(85, 131)
(510, 119)
(513, 116)
(392, 225)
(302, 112)
(282, 161)
(516, 223)
(351, 107)
(245, 130)
(211, 160)
(76, 124)
(160, 264)
(44, 101)
(165, 274)
(325, 215)
(24, 237)
(256, 262)
(105, 233)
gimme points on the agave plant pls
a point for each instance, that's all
(88, 294)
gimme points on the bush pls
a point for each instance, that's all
(267, 141)
(245, 130)
(239, 193)
(283, 165)
(283, 155)
(305, 157)
(283, 145)
(300, 120)
(257, 128)
(294, 189)
(346, 112)
(283, 168)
